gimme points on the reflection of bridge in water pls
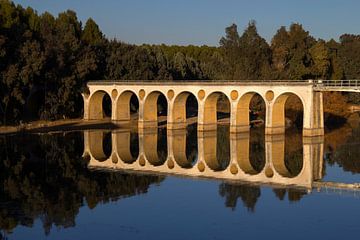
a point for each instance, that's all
(211, 157)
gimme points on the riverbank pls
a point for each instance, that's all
(58, 125)
(80, 124)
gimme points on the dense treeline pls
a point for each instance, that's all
(45, 61)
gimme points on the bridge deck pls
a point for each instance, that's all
(202, 82)
(318, 85)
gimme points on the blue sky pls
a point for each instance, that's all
(201, 22)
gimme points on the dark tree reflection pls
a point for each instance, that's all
(248, 194)
(294, 195)
(44, 177)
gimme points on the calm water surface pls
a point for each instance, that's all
(178, 185)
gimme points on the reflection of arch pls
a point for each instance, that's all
(210, 108)
(216, 149)
(127, 146)
(180, 108)
(278, 114)
(182, 148)
(100, 145)
(281, 158)
(243, 109)
(151, 106)
(155, 147)
(96, 110)
(250, 159)
(123, 104)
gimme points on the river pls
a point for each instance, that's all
(163, 184)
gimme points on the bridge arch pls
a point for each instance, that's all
(185, 105)
(155, 105)
(126, 103)
(280, 108)
(244, 111)
(100, 105)
(211, 107)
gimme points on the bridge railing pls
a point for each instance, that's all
(339, 85)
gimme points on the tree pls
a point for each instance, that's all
(349, 55)
(230, 45)
(291, 52)
(255, 55)
(91, 33)
(320, 55)
(248, 56)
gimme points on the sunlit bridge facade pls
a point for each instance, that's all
(117, 100)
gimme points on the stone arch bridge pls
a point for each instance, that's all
(239, 94)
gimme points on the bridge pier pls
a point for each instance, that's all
(314, 116)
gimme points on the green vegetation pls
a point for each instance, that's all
(45, 61)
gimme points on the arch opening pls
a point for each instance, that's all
(127, 106)
(155, 108)
(251, 111)
(217, 109)
(185, 110)
(288, 112)
(100, 106)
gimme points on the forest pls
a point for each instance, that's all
(46, 61)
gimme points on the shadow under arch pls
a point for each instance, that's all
(184, 146)
(185, 106)
(99, 105)
(288, 109)
(251, 106)
(216, 148)
(250, 151)
(217, 106)
(100, 145)
(127, 146)
(287, 154)
(155, 146)
(126, 105)
(155, 105)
